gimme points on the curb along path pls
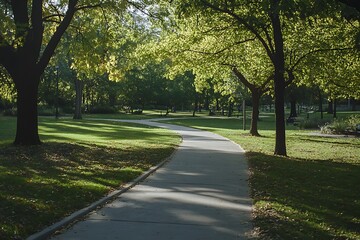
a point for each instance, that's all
(202, 193)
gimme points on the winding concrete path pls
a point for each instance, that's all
(201, 193)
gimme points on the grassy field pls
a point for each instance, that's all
(311, 194)
(78, 163)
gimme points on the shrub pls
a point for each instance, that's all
(46, 111)
(341, 126)
(353, 121)
(10, 112)
(313, 123)
(103, 109)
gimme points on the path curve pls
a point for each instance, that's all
(201, 193)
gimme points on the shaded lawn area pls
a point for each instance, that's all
(311, 194)
(78, 163)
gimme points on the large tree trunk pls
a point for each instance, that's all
(78, 98)
(27, 117)
(280, 142)
(279, 79)
(26, 60)
(255, 95)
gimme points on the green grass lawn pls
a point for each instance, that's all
(147, 114)
(78, 163)
(311, 194)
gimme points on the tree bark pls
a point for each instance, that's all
(27, 117)
(27, 60)
(79, 85)
(280, 141)
(230, 108)
(279, 80)
(330, 107)
(353, 107)
(255, 95)
(320, 104)
(293, 112)
(196, 103)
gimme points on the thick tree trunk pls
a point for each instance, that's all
(78, 98)
(27, 117)
(26, 60)
(279, 80)
(255, 95)
(280, 142)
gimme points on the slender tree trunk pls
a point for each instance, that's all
(279, 80)
(353, 108)
(293, 112)
(255, 95)
(207, 102)
(195, 104)
(334, 108)
(27, 114)
(330, 107)
(79, 85)
(320, 104)
(230, 108)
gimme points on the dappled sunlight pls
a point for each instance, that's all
(41, 184)
(105, 133)
(203, 191)
(310, 204)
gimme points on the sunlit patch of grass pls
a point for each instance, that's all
(77, 164)
(311, 194)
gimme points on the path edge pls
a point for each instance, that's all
(50, 230)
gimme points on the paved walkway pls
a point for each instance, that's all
(202, 193)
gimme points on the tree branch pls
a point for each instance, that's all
(290, 79)
(35, 36)
(316, 51)
(87, 6)
(243, 22)
(221, 50)
(352, 3)
(59, 15)
(268, 38)
(21, 18)
(7, 54)
(242, 78)
(55, 39)
(264, 86)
